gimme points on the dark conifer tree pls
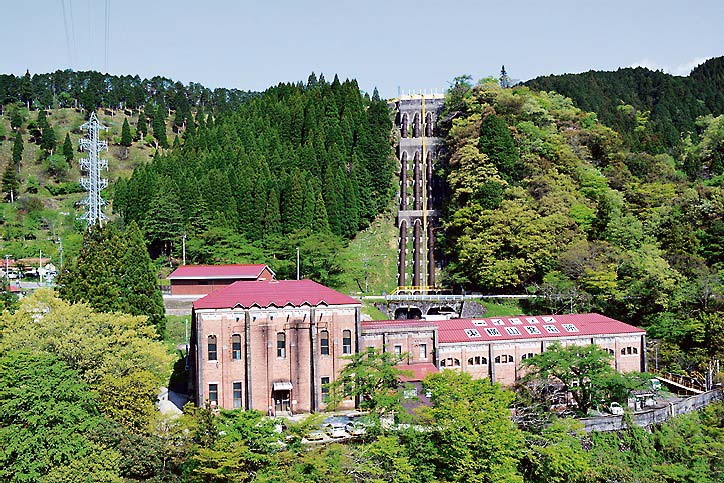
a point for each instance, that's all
(18, 147)
(320, 222)
(141, 126)
(16, 119)
(68, 150)
(159, 127)
(497, 142)
(48, 141)
(138, 281)
(126, 138)
(26, 90)
(10, 181)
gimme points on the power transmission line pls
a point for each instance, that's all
(107, 34)
(67, 36)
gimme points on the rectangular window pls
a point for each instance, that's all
(324, 343)
(214, 394)
(398, 350)
(281, 345)
(236, 347)
(423, 351)
(346, 342)
(325, 389)
(212, 354)
(237, 395)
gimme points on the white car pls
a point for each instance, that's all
(615, 409)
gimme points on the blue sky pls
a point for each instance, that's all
(413, 45)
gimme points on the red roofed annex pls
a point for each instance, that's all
(274, 345)
(199, 280)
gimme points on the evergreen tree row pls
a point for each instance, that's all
(299, 157)
(651, 109)
(91, 90)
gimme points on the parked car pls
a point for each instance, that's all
(615, 409)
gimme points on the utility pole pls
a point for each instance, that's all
(92, 165)
(40, 268)
(183, 249)
(60, 252)
(297, 263)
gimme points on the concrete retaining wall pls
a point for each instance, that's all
(653, 416)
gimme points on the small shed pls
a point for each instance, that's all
(199, 280)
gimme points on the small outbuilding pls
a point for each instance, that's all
(200, 280)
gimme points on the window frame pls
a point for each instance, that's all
(324, 342)
(237, 402)
(324, 388)
(235, 352)
(214, 401)
(346, 341)
(281, 345)
(209, 350)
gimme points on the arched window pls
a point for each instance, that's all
(281, 345)
(236, 347)
(211, 348)
(526, 356)
(635, 350)
(504, 359)
(324, 343)
(477, 361)
(450, 362)
(346, 342)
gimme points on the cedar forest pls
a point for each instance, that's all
(601, 191)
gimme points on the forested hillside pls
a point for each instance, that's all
(651, 110)
(297, 166)
(91, 90)
(545, 199)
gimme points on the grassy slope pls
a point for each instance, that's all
(375, 247)
(60, 212)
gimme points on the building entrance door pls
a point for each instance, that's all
(281, 400)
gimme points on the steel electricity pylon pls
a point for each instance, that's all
(92, 166)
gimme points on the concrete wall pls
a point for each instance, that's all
(653, 416)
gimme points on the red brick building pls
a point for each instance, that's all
(495, 347)
(199, 280)
(271, 346)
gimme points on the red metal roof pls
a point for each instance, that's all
(521, 327)
(419, 371)
(217, 271)
(277, 293)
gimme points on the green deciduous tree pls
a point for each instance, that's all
(46, 416)
(471, 429)
(374, 378)
(584, 371)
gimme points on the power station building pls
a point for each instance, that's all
(271, 345)
(275, 345)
